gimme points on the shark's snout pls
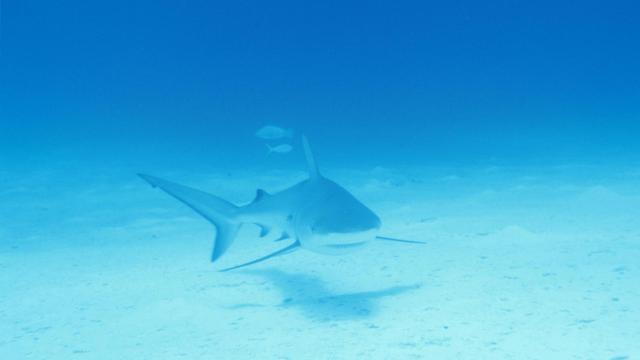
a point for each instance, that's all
(340, 234)
(354, 220)
(333, 221)
(322, 228)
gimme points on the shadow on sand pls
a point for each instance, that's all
(310, 295)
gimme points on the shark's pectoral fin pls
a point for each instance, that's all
(385, 238)
(291, 248)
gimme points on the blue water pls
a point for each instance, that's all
(505, 135)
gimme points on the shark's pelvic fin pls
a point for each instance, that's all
(385, 238)
(219, 212)
(289, 249)
(284, 236)
(264, 230)
(311, 161)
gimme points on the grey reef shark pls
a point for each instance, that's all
(317, 214)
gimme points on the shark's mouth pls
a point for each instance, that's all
(338, 243)
(346, 246)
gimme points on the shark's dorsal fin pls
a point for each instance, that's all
(260, 194)
(311, 161)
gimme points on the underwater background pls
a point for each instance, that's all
(503, 134)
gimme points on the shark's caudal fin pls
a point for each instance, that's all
(219, 212)
(311, 161)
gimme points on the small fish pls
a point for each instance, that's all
(271, 132)
(280, 149)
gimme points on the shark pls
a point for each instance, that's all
(315, 214)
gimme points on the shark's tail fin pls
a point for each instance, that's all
(219, 212)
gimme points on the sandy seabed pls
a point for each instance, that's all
(520, 263)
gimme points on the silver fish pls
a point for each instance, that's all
(271, 132)
(280, 149)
